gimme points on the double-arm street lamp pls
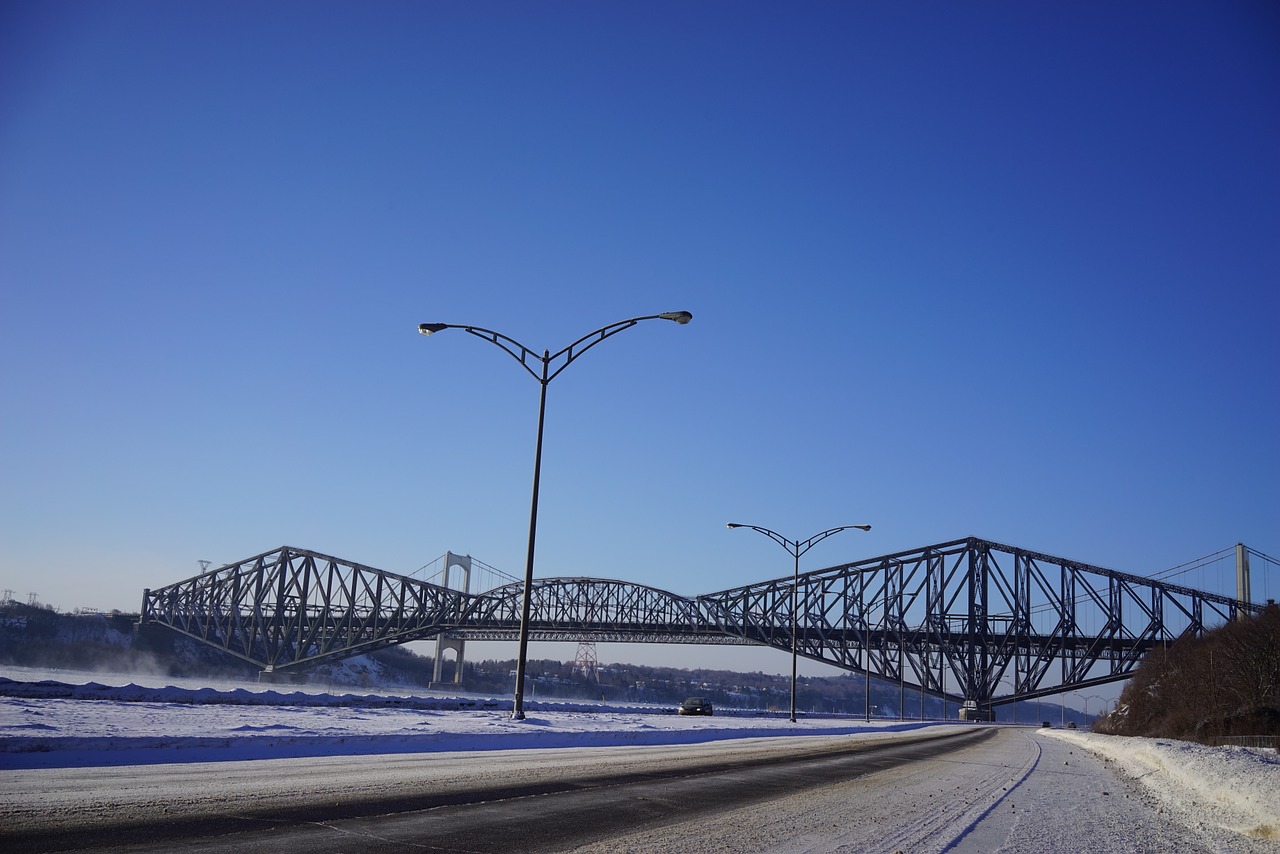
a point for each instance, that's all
(796, 548)
(549, 367)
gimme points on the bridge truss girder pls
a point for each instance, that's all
(959, 619)
(293, 607)
(983, 614)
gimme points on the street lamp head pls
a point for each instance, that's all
(733, 525)
(680, 317)
(428, 328)
(861, 527)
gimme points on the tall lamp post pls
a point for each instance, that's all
(550, 366)
(796, 548)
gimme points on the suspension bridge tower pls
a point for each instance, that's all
(462, 562)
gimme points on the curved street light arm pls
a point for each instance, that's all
(523, 354)
(803, 547)
(790, 545)
(796, 548)
(573, 351)
(518, 351)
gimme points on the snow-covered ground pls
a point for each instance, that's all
(1230, 787)
(52, 723)
(72, 723)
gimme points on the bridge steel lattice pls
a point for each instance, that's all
(289, 608)
(969, 619)
(981, 614)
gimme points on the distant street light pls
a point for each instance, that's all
(524, 356)
(1086, 699)
(797, 548)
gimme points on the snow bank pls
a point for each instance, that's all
(1235, 788)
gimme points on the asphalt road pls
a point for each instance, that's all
(527, 801)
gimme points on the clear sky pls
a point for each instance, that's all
(1002, 269)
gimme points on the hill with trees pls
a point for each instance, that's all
(1224, 683)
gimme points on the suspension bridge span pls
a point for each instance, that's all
(972, 620)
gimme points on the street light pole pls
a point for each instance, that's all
(544, 376)
(1086, 699)
(796, 548)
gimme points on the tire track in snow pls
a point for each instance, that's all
(946, 829)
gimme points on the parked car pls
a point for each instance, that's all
(695, 706)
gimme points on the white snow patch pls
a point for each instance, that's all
(1235, 788)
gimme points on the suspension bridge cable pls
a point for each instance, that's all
(1192, 565)
(425, 566)
(1163, 575)
(1265, 557)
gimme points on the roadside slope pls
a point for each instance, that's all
(1228, 787)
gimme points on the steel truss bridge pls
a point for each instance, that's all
(963, 620)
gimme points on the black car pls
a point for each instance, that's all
(695, 706)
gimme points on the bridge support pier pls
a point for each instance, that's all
(973, 710)
(272, 676)
(437, 674)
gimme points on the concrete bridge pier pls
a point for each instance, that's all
(271, 676)
(973, 710)
(437, 675)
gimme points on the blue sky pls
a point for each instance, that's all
(1004, 269)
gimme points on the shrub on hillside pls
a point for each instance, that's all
(1224, 683)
